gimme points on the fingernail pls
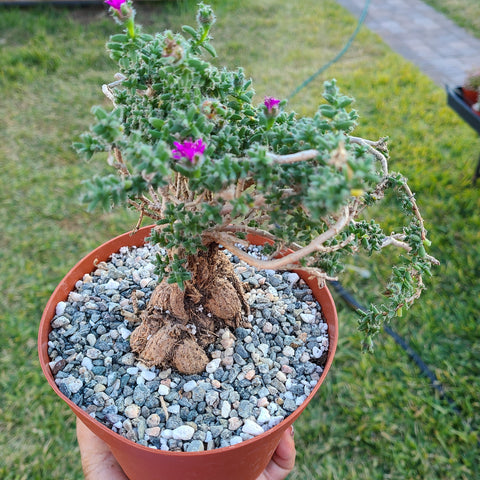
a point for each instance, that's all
(292, 431)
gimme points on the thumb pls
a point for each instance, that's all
(283, 459)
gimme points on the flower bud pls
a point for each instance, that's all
(205, 15)
(271, 106)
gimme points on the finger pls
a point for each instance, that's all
(98, 461)
(283, 459)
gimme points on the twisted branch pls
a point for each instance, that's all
(288, 261)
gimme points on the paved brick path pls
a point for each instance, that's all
(441, 49)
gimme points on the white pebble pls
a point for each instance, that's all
(264, 416)
(60, 322)
(132, 411)
(213, 366)
(124, 332)
(304, 357)
(262, 402)
(163, 390)
(144, 282)
(148, 375)
(184, 432)
(153, 420)
(132, 370)
(189, 386)
(228, 352)
(268, 327)
(275, 421)
(99, 388)
(91, 339)
(234, 423)
(164, 374)
(316, 352)
(114, 334)
(236, 440)
(175, 409)
(153, 431)
(136, 277)
(227, 362)
(128, 359)
(226, 409)
(87, 363)
(227, 342)
(263, 347)
(60, 308)
(87, 278)
(74, 384)
(256, 357)
(307, 317)
(75, 297)
(251, 427)
(288, 351)
(112, 285)
(94, 353)
(292, 277)
(300, 400)
(167, 434)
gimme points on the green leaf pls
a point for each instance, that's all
(190, 30)
(209, 48)
(328, 111)
(157, 123)
(120, 37)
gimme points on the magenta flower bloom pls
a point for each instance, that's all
(192, 151)
(116, 4)
(271, 104)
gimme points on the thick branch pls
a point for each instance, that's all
(228, 241)
(305, 155)
(293, 157)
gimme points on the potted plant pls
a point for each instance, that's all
(471, 87)
(216, 172)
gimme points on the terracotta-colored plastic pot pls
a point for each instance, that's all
(470, 96)
(244, 461)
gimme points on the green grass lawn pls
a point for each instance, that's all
(376, 416)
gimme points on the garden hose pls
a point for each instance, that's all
(350, 300)
(324, 67)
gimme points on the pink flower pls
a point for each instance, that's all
(192, 151)
(271, 104)
(116, 4)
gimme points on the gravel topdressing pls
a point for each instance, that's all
(256, 377)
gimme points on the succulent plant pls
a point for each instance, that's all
(192, 150)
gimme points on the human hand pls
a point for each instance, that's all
(283, 459)
(98, 462)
